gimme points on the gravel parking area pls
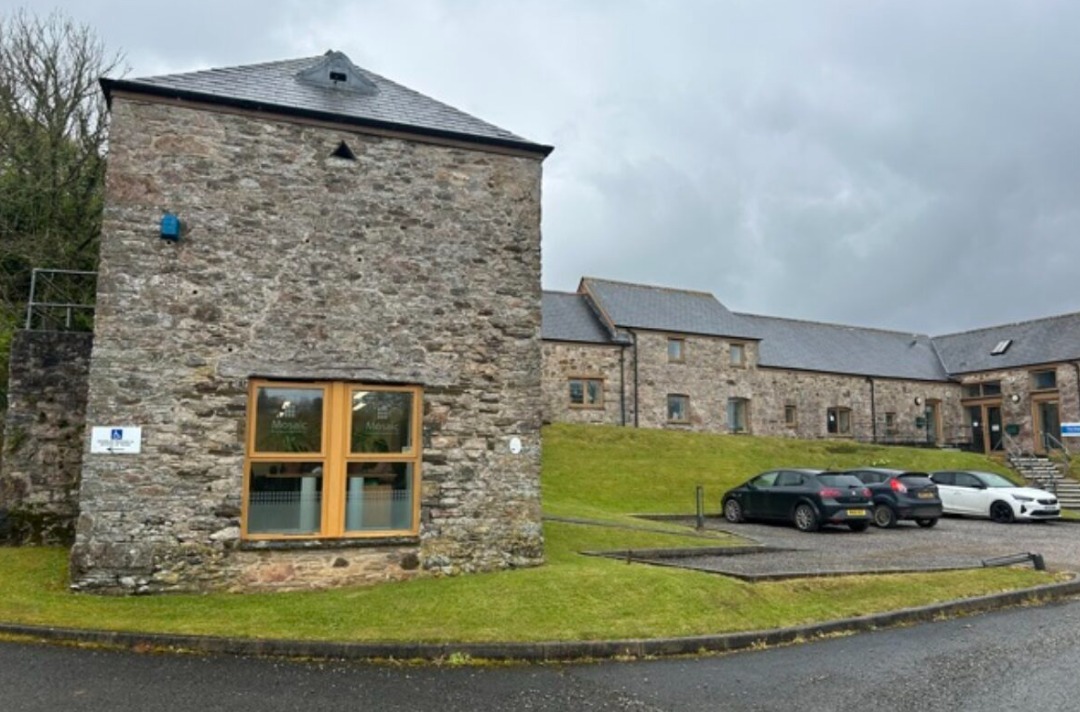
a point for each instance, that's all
(953, 544)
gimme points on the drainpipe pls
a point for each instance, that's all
(622, 384)
(637, 403)
(1076, 365)
(873, 412)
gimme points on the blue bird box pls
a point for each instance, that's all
(170, 227)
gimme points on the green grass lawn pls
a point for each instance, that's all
(602, 473)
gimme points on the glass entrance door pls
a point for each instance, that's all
(1047, 422)
(986, 430)
(993, 420)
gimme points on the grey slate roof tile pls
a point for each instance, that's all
(276, 86)
(639, 306)
(1055, 338)
(833, 348)
(568, 317)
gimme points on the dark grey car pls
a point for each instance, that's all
(899, 494)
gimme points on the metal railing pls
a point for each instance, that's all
(61, 300)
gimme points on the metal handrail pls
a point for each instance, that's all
(42, 280)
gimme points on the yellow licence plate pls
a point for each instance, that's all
(926, 495)
(856, 512)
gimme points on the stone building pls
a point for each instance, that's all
(316, 352)
(639, 355)
(318, 356)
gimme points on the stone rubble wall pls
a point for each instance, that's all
(566, 360)
(414, 264)
(43, 437)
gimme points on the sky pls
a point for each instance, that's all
(904, 165)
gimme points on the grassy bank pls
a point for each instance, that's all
(593, 472)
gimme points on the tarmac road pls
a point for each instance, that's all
(1019, 659)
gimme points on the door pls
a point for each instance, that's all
(978, 429)
(933, 422)
(1047, 422)
(993, 421)
(967, 494)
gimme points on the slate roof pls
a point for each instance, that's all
(639, 306)
(1055, 338)
(834, 348)
(568, 317)
(276, 87)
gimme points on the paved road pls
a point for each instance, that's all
(953, 543)
(1018, 659)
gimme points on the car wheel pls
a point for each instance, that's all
(858, 526)
(884, 516)
(733, 511)
(926, 523)
(1001, 512)
(806, 519)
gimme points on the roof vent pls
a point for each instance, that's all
(1002, 347)
(343, 151)
(335, 71)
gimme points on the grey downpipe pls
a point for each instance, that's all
(637, 402)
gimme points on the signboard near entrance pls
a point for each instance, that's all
(116, 440)
(1070, 430)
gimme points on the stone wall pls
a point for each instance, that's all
(43, 443)
(704, 374)
(1020, 410)
(414, 264)
(566, 360)
(813, 393)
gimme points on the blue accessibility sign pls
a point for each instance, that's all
(117, 434)
(1070, 430)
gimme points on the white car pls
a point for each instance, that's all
(986, 494)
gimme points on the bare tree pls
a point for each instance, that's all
(52, 153)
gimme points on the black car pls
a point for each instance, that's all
(899, 494)
(808, 498)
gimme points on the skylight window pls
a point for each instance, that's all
(1002, 347)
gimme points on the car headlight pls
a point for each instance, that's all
(1022, 498)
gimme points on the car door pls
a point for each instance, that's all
(756, 500)
(789, 485)
(947, 491)
(970, 494)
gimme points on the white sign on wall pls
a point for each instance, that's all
(116, 440)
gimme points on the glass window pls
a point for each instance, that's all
(791, 415)
(676, 350)
(678, 408)
(736, 415)
(289, 419)
(1044, 380)
(838, 421)
(587, 392)
(360, 480)
(737, 354)
(381, 422)
(890, 422)
(982, 390)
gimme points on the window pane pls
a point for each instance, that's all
(991, 388)
(737, 354)
(379, 496)
(844, 416)
(675, 349)
(594, 392)
(1045, 380)
(678, 407)
(288, 419)
(831, 417)
(381, 422)
(737, 415)
(577, 393)
(285, 498)
(789, 414)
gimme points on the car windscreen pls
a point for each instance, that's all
(839, 481)
(992, 480)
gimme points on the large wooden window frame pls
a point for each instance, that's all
(335, 455)
(835, 418)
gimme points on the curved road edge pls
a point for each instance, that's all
(544, 651)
